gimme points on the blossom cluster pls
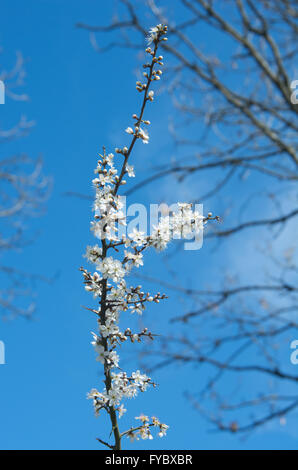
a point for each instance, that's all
(122, 386)
(108, 282)
(143, 430)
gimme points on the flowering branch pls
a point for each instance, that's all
(108, 283)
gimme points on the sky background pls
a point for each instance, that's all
(81, 100)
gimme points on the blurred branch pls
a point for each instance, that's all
(23, 192)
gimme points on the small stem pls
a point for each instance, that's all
(104, 443)
(140, 118)
(137, 428)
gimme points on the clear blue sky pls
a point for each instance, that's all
(81, 100)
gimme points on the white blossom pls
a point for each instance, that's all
(137, 308)
(135, 258)
(163, 430)
(114, 397)
(137, 237)
(143, 135)
(153, 33)
(109, 330)
(130, 171)
(121, 410)
(151, 95)
(113, 359)
(111, 268)
(93, 253)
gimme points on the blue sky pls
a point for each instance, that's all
(81, 100)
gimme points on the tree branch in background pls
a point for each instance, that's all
(23, 191)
